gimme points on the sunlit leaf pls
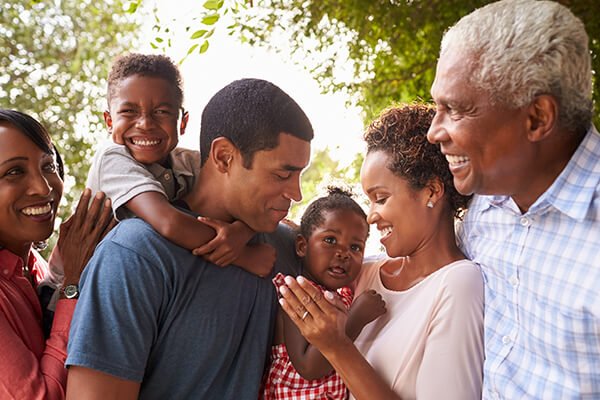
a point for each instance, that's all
(133, 6)
(198, 34)
(213, 4)
(191, 50)
(210, 19)
(204, 47)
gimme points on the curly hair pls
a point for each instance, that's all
(152, 65)
(401, 132)
(337, 199)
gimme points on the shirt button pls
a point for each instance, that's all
(513, 280)
(5, 271)
(524, 221)
(167, 176)
(506, 339)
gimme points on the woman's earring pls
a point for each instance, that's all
(430, 204)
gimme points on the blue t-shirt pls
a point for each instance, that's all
(152, 312)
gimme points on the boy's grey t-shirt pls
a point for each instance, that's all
(116, 173)
(154, 313)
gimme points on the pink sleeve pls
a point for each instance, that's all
(26, 377)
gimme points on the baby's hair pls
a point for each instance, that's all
(150, 65)
(337, 199)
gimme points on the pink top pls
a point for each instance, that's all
(429, 344)
(32, 367)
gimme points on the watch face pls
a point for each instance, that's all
(71, 291)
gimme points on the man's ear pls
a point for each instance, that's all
(108, 121)
(184, 121)
(301, 246)
(542, 117)
(222, 152)
(434, 191)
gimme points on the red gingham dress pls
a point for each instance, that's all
(283, 382)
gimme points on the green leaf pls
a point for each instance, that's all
(198, 34)
(158, 39)
(191, 50)
(153, 46)
(133, 6)
(204, 47)
(210, 33)
(210, 19)
(213, 4)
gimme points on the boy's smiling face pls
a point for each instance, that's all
(144, 116)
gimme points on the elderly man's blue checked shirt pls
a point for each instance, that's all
(542, 285)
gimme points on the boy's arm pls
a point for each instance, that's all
(305, 358)
(179, 227)
(186, 231)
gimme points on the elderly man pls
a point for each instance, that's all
(514, 110)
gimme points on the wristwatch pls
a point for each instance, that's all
(71, 291)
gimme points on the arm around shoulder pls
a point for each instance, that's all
(179, 227)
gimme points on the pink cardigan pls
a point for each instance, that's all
(32, 367)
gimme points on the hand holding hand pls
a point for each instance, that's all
(321, 318)
(367, 307)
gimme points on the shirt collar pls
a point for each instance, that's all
(572, 192)
(174, 164)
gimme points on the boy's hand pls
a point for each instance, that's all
(365, 308)
(227, 245)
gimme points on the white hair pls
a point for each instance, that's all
(525, 48)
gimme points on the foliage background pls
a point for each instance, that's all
(389, 46)
(56, 54)
(379, 52)
(54, 61)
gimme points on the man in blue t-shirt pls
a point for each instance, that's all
(153, 320)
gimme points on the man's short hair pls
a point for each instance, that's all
(251, 113)
(525, 48)
(150, 65)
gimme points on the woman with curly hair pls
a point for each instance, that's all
(429, 344)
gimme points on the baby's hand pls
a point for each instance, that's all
(226, 246)
(366, 308)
